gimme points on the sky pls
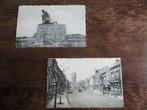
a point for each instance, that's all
(84, 67)
(71, 15)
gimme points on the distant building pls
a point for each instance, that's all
(24, 41)
(89, 83)
(96, 80)
(82, 85)
(75, 40)
(74, 82)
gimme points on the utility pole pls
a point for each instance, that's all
(55, 94)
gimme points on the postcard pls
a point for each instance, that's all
(51, 26)
(84, 83)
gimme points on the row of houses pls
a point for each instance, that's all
(110, 77)
(56, 80)
(105, 80)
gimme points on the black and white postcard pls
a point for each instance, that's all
(51, 26)
(84, 83)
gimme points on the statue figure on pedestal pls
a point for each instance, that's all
(46, 19)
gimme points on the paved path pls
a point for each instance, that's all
(87, 100)
(64, 100)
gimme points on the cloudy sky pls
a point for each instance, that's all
(71, 15)
(84, 67)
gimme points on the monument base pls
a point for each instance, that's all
(48, 33)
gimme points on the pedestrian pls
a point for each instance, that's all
(67, 93)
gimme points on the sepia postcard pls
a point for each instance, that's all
(51, 26)
(84, 83)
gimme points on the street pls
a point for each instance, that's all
(88, 100)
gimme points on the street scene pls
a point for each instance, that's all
(84, 83)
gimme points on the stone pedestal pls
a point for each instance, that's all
(50, 33)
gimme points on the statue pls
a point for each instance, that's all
(46, 19)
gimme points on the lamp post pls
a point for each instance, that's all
(54, 83)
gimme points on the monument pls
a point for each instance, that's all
(49, 33)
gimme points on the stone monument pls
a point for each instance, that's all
(49, 33)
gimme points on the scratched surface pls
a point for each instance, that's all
(115, 28)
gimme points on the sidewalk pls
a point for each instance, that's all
(64, 101)
(106, 95)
